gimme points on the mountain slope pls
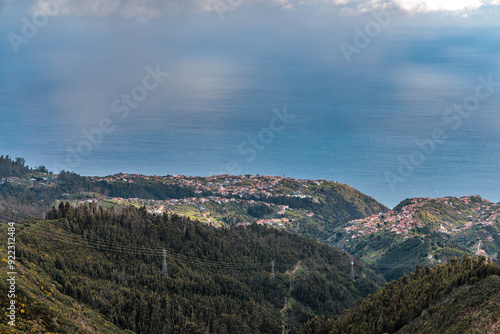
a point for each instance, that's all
(219, 280)
(471, 308)
(40, 305)
(423, 231)
(453, 298)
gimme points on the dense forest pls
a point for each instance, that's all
(452, 298)
(219, 280)
(13, 167)
(20, 201)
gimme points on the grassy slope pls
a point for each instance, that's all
(41, 306)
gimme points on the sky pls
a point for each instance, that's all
(396, 98)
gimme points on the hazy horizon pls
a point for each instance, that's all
(397, 99)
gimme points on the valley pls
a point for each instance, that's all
(241, 254)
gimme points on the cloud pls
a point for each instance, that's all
(144, 10)
(413, 6)
(416, 6)
(141, 10)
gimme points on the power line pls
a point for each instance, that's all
(164, 265)
(114, 247)
(94, 242)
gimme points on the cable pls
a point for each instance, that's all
(78, 238)
(113, 247)
(159, 251)
(93, 242)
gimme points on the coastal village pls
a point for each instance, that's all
(484, 213)
(223, 190)
(403, 221)
(226, 200)
(219, 185)
(199, 204)
(212, 194)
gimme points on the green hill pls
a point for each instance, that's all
(42, 308)
(423, 231)
(313, 208)
(219, 280)
(453, 298)
(95, 262)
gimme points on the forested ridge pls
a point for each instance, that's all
(19, 201)
(99, 269)
(452, 298)
(25, 196)
(219, 280)
(13, 167)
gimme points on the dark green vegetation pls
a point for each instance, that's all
(16, 201)
(10, 167)
(259, 211)
(73, 183)
(17, 167)
(454, 298)
(42, 308)
(219, 280)
(400, 258)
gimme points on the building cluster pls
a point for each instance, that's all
(220, 185)
(162, 206)
(403, 221)
(280, 222)
(396, 222)
(126, 177)
(8, 179)
(218, 190)
(43, 181)
(486, 213)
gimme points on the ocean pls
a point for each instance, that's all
(401, 120)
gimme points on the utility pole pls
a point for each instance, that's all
(272, 269)
(164, 266)
(352, 268)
